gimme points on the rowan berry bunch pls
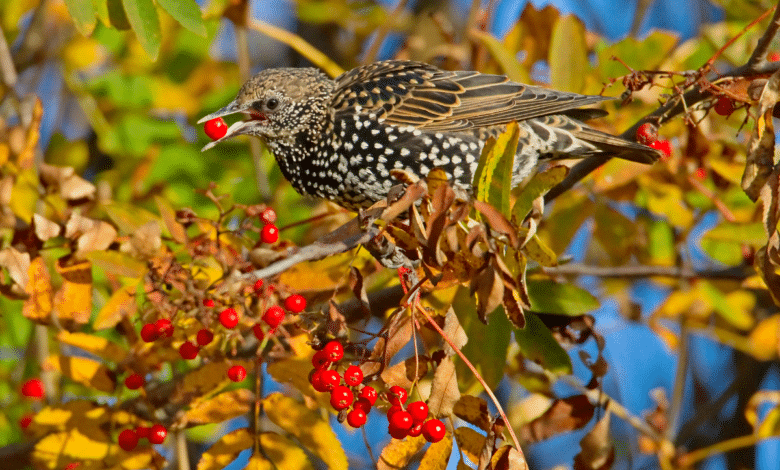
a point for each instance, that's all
(128, 439)
(403, 420)
(647, 134)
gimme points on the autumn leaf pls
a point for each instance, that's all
(398, 453)
(222, 407)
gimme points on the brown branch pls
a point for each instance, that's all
(641, 271)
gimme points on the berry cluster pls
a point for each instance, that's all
(128, 438)
(647, 134)
(404, 420)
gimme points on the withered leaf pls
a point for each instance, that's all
(359, 290)
(398, 453)
(597, 452)
(565, 415)
(45, 229)
(405, 373)
(473, 410)
(497, 221)
(444, 389)
(489, 287)
(17, 263)
(508, 458)
(454, 331)
(761, 149)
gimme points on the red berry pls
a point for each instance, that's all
(258, 331)
(401, 420)
(774, 57)
(142, 431)
(341, 397)
(393, 410)
(127, 440)
(188, 350)
(25, 421)
(724, 106)
(258, 285)
(397, 395)
(215, 128)
(204, 336)
(701, 173)
(369, 394)
(236, 373)
(330, 380)
(396, 433)
(268, 216)
(274, 316)
(320, 360)
(149, 332)
(334, 350)
(647, 133)
(418, 410)
(433, 430)
(315, 378)
(33, 388)
(363, 404)
(353, 376)
(295, 303)
(157, 434)
(134, 381)
(164, 327)
(664, 146)
(269, 233)
(208, 302)
(356, 418)
(228, 317)
(416, 430)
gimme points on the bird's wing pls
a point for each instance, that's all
(421, 95)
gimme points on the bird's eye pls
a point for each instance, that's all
(272, 103)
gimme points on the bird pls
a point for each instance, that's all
(344, 139)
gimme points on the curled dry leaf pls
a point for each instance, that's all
(597, 452)
(565, 415)
(70, 185)
(92, 235)
(17, 264)
(508, 458)
(473, 410)
(359, 290)
(145, 242)
(45, 229)
(406, 373)
(761, 150)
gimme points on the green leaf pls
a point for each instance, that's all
(187, 13)
(660, 243)
(538, 186)
(505, 57)
(83, 14)
(143, 18)
(568, 55)
(750, 234)
(116, 15)
(561, 299)
(493, 178)
(537, 344)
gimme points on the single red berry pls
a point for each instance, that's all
(363, 404)
(269, 233)
(335, 350)
(356, 418)
(258, 285)
(418, 410)
(315, 378)
(295, 303)
(320, 360)
(228, 317)
(157, 434)
(142, 431)
(164, 327)
(774, 57)
(724, 106)
(72, 466)
(127, 440)
(208, 302)
(274, 316)
(236, 373)
(433, 430)
(341, 397)
(397, 395)
(664, 146)
(188, 350)
(134, 381)
(393, 410)
(401, 420)
(353, 376)
(701, 173)
(258, 332)
(369, 393)
(330, 380)
(647, 133)
(268, 216)
(416, 430)
(215, 128)
(149, 332)
(396, 433)
(33, 388)
(25, 421)
(204, 336)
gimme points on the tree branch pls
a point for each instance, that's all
(641, 271)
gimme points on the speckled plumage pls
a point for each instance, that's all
(339, 139)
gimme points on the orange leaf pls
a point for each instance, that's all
(120, 305)
(38, 306)
(438, 455)
(398, 454)
(73, 302)
(84, 371)
(96, 345)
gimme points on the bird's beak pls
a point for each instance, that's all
(237, 128)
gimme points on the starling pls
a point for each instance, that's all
(340, 139)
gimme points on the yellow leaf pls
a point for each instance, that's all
(470, 442)
(81, 52)
(308, 427)
(226, 450)
(84, 371)
(438, 455)
(398, 453)
(175, 229)
(324, 275)
(283, 452)
(96, 345)
(538, 251)
(295, 372)
(765, 338)
(73, 301)
(667, 199)
(222, 407)
(39, 305)
(739, 309)
(258, 462)
(120, 305)
(24, 195)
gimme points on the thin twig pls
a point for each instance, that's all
(678, 389)
(642, 271)
(7, 62)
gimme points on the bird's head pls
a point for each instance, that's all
(278, 104)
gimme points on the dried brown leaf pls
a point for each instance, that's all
(444, 389)
(17, 263)
(565, 415)
(38, 305)
(508, 458)
(359, 290)
(597, 452)
(45, 229)
(473, 410)
(497, 221)
(405, 373)
(454, 331)
(761, 149)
